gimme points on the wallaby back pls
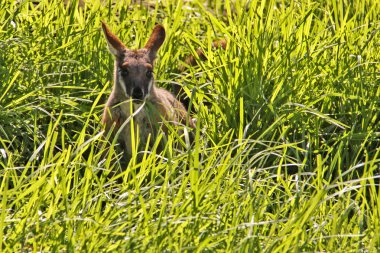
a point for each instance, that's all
(135, 98)
(192, 61)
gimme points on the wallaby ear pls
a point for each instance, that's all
(155, 41)
(116, 47)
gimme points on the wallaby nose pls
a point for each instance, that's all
(137, 93)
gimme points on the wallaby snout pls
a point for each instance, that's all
(138, 93)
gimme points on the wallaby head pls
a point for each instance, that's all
(134, 68)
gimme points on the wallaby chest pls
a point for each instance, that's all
(134, 123)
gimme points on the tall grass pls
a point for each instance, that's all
(286, 155)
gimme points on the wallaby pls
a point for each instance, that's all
(135, 98)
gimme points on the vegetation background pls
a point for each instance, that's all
(286, 156)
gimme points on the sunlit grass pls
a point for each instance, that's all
(286, 151)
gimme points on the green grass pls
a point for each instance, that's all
(286, 157)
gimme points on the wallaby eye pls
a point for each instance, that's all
(124, 72)
(149, 74)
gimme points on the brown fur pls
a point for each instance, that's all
(135, 96)
(192, 61)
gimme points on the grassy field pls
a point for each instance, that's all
(286, 157)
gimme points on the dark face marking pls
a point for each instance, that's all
(135, 74)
